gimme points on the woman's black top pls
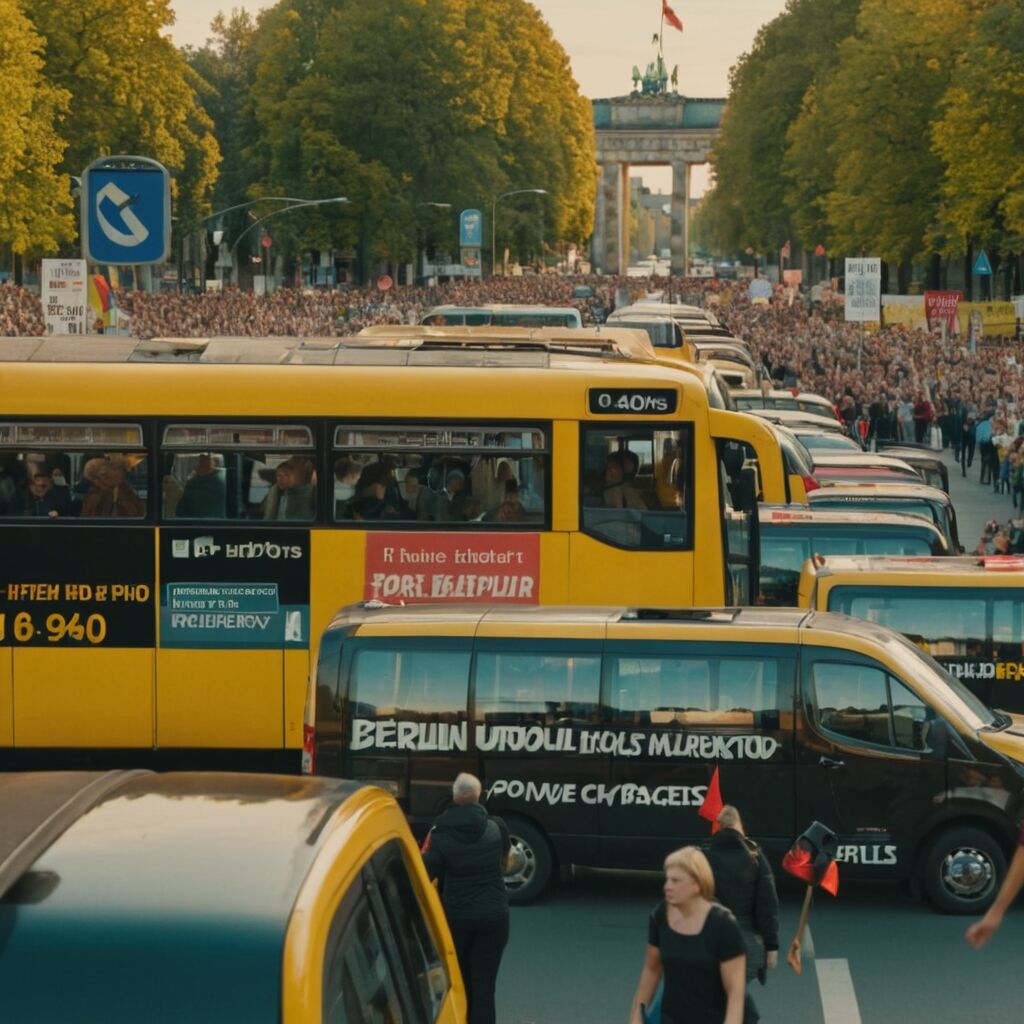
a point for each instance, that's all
(693, 992)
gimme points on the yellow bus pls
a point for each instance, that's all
(178, 518)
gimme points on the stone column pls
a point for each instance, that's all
(680, 217)
(623, 241)
(606, 220)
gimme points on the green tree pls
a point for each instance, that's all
(131, 91)
(979, 136)
(409, 102)
(879, 102)
(767, 92)
(35, 198)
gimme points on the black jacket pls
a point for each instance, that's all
(467, 852)
(744, 883)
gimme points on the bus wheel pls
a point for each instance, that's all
(532, 862)
(961, 870)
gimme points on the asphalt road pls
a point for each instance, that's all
(975, 503)
(879, 958)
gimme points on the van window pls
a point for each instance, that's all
(410, 685)
(422, 960)
(1008, 626)
(695, 691)
(359, 987)
(946, 623)
(863, 703)
(544, 689)
(636, 487)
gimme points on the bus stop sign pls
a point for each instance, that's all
(126, 211)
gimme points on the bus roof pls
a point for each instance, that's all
(867, 491)
(800, 516)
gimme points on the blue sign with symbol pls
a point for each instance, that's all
(982, 267)
(126, 211)
(471, 229)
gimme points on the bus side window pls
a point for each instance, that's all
(1008, 627)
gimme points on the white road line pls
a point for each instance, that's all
(838, 1000)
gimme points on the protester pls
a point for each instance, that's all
(981, 931)
(745, 885)
(696, 946)
(466, 851)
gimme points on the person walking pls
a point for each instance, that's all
(466, 851)
(981, 931)
(744, 884)
(967, 442)
(696, 945)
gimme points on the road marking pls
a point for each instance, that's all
(838, 1000)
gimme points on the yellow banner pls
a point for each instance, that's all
(996, 318)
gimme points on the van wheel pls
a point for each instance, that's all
(961, 870)
(532, 870)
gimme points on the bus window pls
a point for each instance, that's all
(231, 471)
(944, 623)
(541, 689)
(410, 685)
(53, 471)
(635, 491)
(441, 474)
(1008, 626)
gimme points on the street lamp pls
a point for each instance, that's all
(298, 204)
(494, 210)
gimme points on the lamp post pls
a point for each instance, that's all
(297, 204)
(494, 210)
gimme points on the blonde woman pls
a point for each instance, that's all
(696, 945)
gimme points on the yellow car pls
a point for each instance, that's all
(130, 896)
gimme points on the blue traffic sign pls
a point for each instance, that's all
(982, 267)
(471, 229)
(126, 211)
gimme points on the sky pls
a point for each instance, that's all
(604, 40)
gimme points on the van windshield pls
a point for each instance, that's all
(945, 689)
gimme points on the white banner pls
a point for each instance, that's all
(863, 290)
(65, 295)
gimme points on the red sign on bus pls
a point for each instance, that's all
(467, 568)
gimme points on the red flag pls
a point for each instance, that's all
(830, 880)
(713, 802)
(670, 16)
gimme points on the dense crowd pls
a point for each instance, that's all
(896, 383)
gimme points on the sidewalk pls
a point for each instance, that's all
(975, 503)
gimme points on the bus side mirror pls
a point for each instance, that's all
(744, 490)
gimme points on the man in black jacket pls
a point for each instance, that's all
(467, 850)
(745, 884)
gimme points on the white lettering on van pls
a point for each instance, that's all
(875, 854)
(389, 734)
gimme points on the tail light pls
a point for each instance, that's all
(810, 483)
(308, 744)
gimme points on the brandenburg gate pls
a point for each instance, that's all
(664, 128)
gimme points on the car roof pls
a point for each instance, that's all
(922, 491)
(170, 892)
(798, 516)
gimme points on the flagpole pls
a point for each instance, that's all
(793, 957)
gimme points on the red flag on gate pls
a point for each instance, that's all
(713, 802)
(670, 16)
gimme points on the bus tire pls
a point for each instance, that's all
(530, 877)
(961, 870)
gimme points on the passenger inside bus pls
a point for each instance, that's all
(293, 494)
(110, 494)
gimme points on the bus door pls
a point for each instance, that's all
(738, 489)
(405, 718)
(536, 702)
(678, 711)
(870, 758)
(636, 522)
